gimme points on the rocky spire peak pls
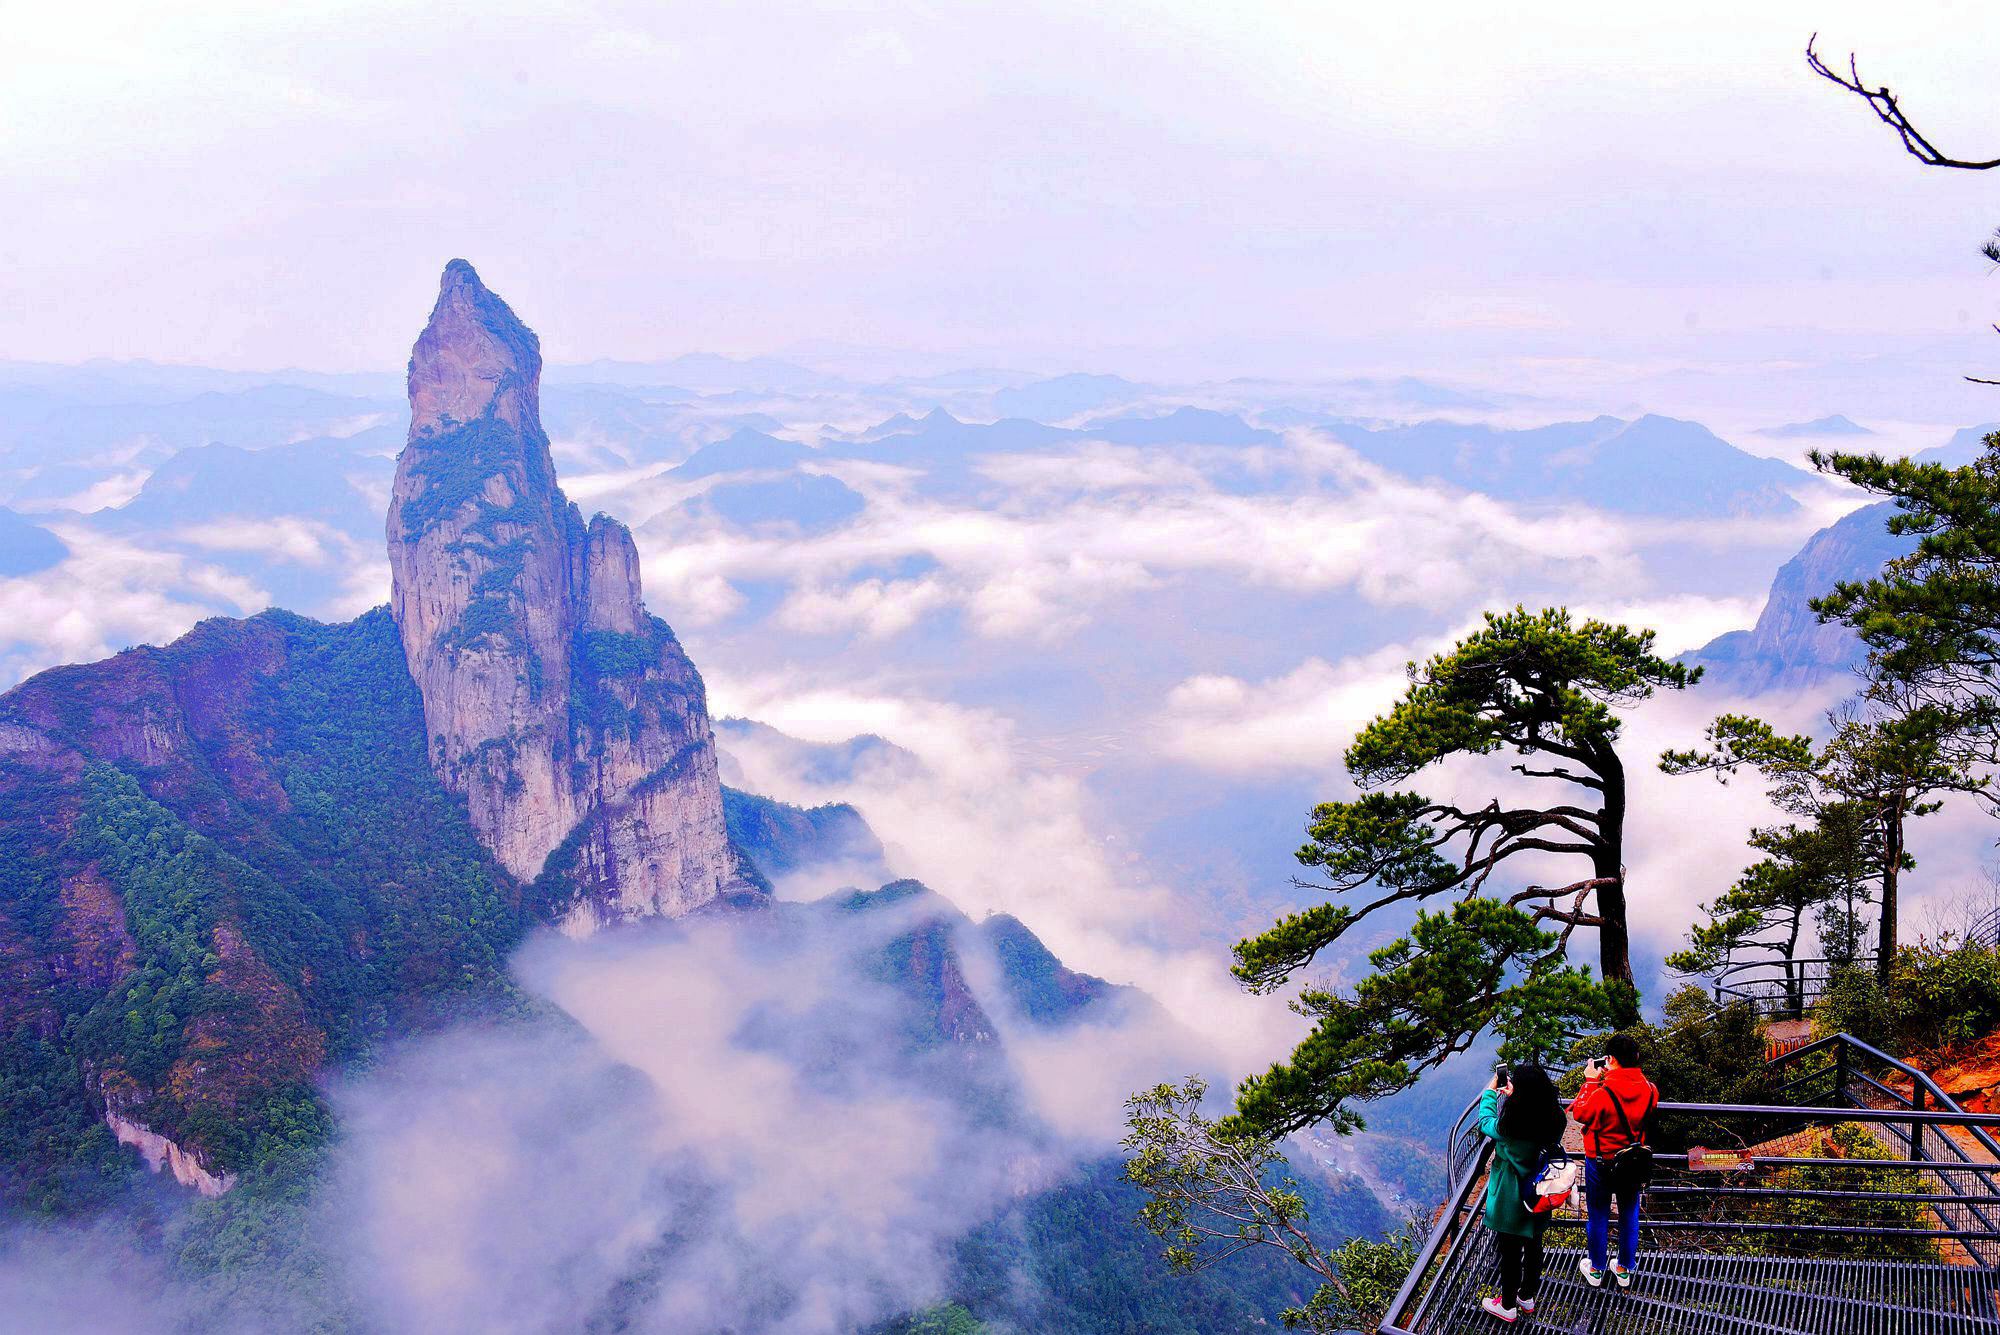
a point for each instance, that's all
(569, 717)
(474, 358)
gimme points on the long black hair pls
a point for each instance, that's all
(1533, 1112)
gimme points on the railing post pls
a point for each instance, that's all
(1916, 1127)
(1840, 1071)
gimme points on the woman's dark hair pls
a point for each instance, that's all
(1533, 1112)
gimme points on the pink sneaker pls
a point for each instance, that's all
(1494, 1307)
(1527, 1304)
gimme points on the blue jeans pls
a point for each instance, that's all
(1597, 1231)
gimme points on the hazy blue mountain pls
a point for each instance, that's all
(1066, 396)
(1038, 985)
(1420, 393)
(26, 547)
(613, 409)
(1182, 426)
(250, 418)
(53, 449)
(1655, 465)
(938, 437)
(822, 764)
(308, 480)
(1283, 418)
(1835, 425)
(813, 502)
(611, 427)
(746, 451)
(927, 963)
(1964, 447)
(902, 424)
(1788, 648)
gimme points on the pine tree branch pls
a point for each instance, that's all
(1890, 112)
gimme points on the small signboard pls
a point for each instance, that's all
(1717, 1161)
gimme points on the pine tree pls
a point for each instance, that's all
(1547, 691)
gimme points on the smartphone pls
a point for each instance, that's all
(1502, 1075)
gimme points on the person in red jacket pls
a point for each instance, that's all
(1612, 1086)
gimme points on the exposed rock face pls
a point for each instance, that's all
(569, 717)
(159, 1152)
(1789, 648)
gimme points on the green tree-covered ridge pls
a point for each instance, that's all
(289, 882)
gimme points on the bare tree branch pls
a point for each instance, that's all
(1887, 110)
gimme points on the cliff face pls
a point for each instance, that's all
(1789, 648)
(568, 716)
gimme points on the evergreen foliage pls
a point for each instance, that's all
(1068, 1262)
(1820, 870)
(1880, 769)
(1213, 1194)
(1429, 996)
(1939, 997)
(1549, 691)
(1931, 618)
(292, 892)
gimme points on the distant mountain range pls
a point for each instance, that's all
(1652, 466)
(1963, 448)
(25, 547)
(1835, 425)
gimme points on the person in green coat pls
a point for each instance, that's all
(1523, 1118)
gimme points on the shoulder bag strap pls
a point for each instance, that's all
(1624, 1118)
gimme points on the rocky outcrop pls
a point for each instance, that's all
(160, 1152)
(1789, 648)
(568, 716)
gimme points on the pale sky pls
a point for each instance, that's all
(1156, 188)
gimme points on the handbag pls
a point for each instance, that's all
(1632, 1166)
(1552, 1183)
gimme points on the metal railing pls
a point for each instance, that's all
(1985, 930)
(1797, 1237)
(1781, 989)
(1958, 1149)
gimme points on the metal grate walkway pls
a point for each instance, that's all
(1806, 1231)
(1692, 1294)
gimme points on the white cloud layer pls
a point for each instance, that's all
(108, 594)
(995, 833)
(708, 1126)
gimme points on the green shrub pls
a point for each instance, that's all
(1941, 995)
(1890, 1207)
(1946, 996)
(1854, 1003)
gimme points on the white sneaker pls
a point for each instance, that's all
(1622, 1275)
(1591, 1274)
(1494, 1307)
(1527, 1304)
